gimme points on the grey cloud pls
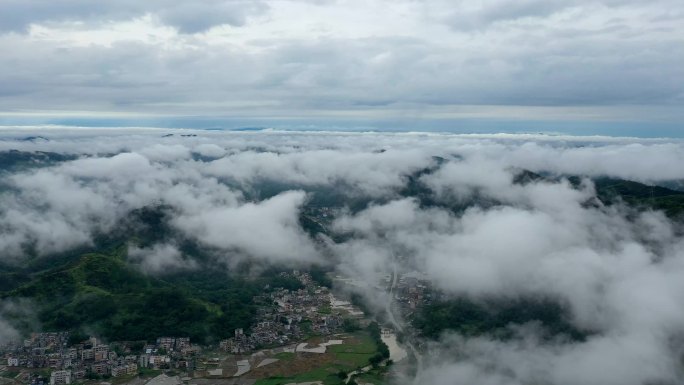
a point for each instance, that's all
(526, 253)
(266, 230)
(486, 13)
(544, 242)
(622, 63)
(192, 17)
(18, 309)
(61, 207)
(160, 259)
(7, 332)
(462, 15)
(210, 150)
(605, 360)
(368, 173)
(620, 161)
(187, 16)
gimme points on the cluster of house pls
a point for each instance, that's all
(413, 293)
(169, 352)
(287, 316)
(92, 358)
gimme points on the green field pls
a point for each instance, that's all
(285, 356)
(353, 354)
(8, 374)
(376, 377)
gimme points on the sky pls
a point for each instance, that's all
(616, 270)
(609, 67)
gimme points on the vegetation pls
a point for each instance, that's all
(289, 283)
(320, 276)
(285, 356)
(147, 372)
(102, 292)
(610, 191)
(493, 317)
(14, 160)
(350, 325)
(359, 301)
(376, 376)
(95, 288)
(383, 352)
(355, 353)
(9, 374)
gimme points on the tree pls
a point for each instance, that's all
(375, 360)
(350, 325)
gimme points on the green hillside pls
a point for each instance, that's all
(103, 293)
(494, 317)
(14, 160)
(640, 195)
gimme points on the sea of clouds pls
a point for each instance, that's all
(620, 272)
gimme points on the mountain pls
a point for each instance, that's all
(494, 317)
(640, 195)
(106, 294)
(14, 159)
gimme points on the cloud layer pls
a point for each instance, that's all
(474, 230)
(357, 62)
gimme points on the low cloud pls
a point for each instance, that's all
(160, 259)
(527, 359)
(266, 230)
(450, 207)
(7, 333)
(14, 314)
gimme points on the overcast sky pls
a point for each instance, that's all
(612, 66)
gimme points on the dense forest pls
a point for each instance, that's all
(103, 293)
(494, 317)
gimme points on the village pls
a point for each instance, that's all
(285, 320)
(91, 359)
(412, 293)
(292, 315)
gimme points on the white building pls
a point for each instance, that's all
(119, 371)
(87, 354)
(124, 369)
(60, 377)
(13, 361)
(157, 361)
(166, 342)
(144, 361)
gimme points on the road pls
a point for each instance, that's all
(398, 325)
